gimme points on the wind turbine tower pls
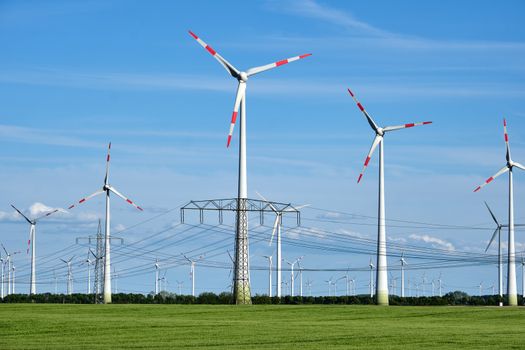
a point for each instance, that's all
(512, 295)
(32, 242)
(371, 265)
(269, 257)
(382, 276)
(241, 285)
(69, 275)
(107, 189)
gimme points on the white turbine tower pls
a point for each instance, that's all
(32, 242)
(10, 273)
(403, 264)
(88, 263)
(107, 189)
(69, 275)
(512, 294)
(241, 285)
(382, 277)
(269, 257)
(2, 263)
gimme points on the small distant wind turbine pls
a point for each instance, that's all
(269, 257)
(371, 265)
(69, 275)
(2, 263)
(382, 277)
(292, 281)
(329, 286)
(512, 294)
(107, 189)
(179, 286)
(192, 272)
(88, 262)
(32, 242)
(403, 264)
(277, 225)
(156, 276)
(10, 273)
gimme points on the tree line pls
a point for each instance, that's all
(452, 298)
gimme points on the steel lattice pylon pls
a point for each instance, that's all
(242, 207)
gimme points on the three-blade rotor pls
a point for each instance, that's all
(380, 132)
(242, 77)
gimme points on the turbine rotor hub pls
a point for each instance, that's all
(243, 77)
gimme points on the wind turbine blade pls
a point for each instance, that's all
(71, 258)
(493, 236)
(19, 212)
(63, 260)
(86, 198)
(506, 137)
(112, 189)
(376, 142)
(106, 179)
(266, 67)
(267, 201)
(518, 165)
(490, 179)
(373, 125)
(47, 214)
(274, 228)
(404, 126)
(238, 98)
(492, 214)
(234, 72)
(297, 208)
(5, 250)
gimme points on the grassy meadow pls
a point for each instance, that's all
(56, 326)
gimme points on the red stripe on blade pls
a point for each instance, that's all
(506, 138)
(210, 50)
(139, 208)
(107, 160)
(409, 125)
(504, 122)
(489, 179)
(359, 179)
(82, 200)
(425, 123)
(477, 189)
(280, 63)
(193, 35)
(350, 91)
(234, 117)
(360, 107)
(229, 140)
(367, 160)
(305, 55)
(130, 202)
(71, 206)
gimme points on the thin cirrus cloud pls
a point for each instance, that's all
(434, 241)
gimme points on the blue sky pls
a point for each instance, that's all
(76, 75)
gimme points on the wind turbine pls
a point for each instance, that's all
(403, 264)
(2, 263)
(382, 277)
(440, 283)
(107, 189)
(192, 272)
(69, 275)
(32, 242)
(179, 286)
(512, 294)
(277, 225)
(88, 263)
(371, 265)
(522, 277)
(292, 264)
(308, 285)
(269, 257)
(242, 294)
(156, 276)
(10, 273)
(329, 286)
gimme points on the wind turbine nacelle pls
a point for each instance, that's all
(243, 76)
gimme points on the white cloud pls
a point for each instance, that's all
(434, 241)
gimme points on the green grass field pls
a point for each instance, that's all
(26, 326)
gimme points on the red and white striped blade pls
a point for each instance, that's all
(241, 89)
(376, 142)
(373, 125)
(124, 198)
(47, 214)
(86, 198)
(234, 72)
(506, 137)
(404, 126)
(490, 179)
(106, 179)
(266, 67)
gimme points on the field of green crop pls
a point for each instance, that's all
(26, 326)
